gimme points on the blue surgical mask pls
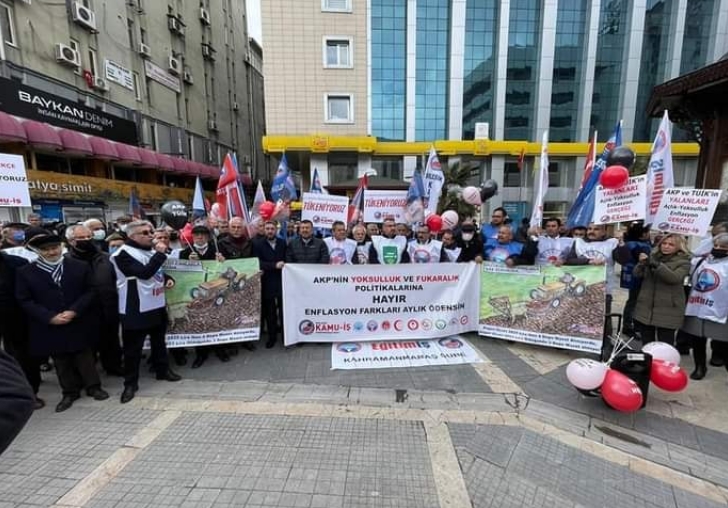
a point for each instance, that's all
(19, 236)
(113, 248)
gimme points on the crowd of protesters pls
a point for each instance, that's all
(76, 297)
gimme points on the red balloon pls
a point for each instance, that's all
(621, 393)
(434, 222)
(266, 209)
(668, 376)
(614, 177)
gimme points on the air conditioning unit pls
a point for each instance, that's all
(208, 52)
(188, 76)
(236, 106)
(174, 25)
(204, 16)
(101, 84)
(174, 66)
(212, 125)
(66, 55)
(83, 16)
(144, 50)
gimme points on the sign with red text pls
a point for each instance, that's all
(384, 204)
(686, 211)
(324, 209)
(13, 181)
(360, 303)
(625, 204)
(453, 350)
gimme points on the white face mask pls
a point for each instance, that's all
(99, 234)
(200, 246)
(467, 236)
(122, 228)
(53, 263)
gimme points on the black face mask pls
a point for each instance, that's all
(173, 236)
(719, 253)
(85, 245)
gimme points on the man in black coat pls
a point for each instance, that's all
(305, 248)
(271, 252)
(13, 326)
(16, 400)
(83, 247)
(57, 296)
(142, 310)
(470, 243)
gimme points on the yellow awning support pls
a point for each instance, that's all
(478, 148)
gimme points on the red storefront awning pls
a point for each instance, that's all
(182, 166)
(11, 130)
(103, 148)
(128, 154)
(149, 158)
(75, 142)
(166, 163)
(41, 135)
(213, 172)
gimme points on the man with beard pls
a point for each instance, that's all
(504, 249)
(424, 249)
(450, 249)
(548, 248)
(82, 246)
(470, 244)
(388, 248)
(271, 252)
(341, 249)
(305, 248)
(363, 244)
(57, 296)
(372, 229)
(142, 310)
(490, 231)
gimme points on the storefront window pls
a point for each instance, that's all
(47, 162)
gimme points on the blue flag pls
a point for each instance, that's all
(582, 211)
(414, 210)
(135, 207)
(198, 202)
(316, 183)
(283, 188)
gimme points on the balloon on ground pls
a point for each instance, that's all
(621, 393)
(662, 351)
(586, 374)
(668, 376)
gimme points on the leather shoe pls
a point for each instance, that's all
(168, 376)
(127, 394)
(66, 402)
(98, 394)
(197, 363)
(38, 404)
(717, 361)
(270, 344)
(698, 373)
(223, 356)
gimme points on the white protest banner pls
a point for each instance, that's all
(378, 302)
(212, 302)
(560, 307)
(13, 181)
(433, 180)
(384, 204)
(324, 209)
(413, 353)
(686, 211)
(627, 203)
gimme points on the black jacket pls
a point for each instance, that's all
(16, 400)
(41, 299)
(234, 250)
(104, 282)
(209, 255)
(470, 250)
(313, 252)
(13, 328)
(271, 283)
(133, 319)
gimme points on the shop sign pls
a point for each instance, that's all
(156, 73)
(119, 74)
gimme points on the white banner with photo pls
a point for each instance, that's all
(393, 354)
(686, 211)
(324, 209)
(345, 303)
(384, 204)
(625, 204)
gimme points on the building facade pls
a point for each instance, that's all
(168, 83)
(360, 84)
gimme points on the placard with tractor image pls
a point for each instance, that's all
(563, 301)
(213, 302)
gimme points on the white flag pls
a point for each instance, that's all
(541, 183)
(659, 171)
(433, 180)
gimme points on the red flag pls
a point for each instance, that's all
(229, 194)
(356, 205)
(521, 159)
(591, 156)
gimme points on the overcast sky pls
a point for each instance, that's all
(255, 29)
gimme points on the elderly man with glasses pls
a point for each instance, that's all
(141, 285)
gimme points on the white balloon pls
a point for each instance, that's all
(471, 195)
(450, 219)
(586, 374)
(662, 351)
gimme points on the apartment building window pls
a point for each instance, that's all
(75, 46)
(137, 86)
(6, 24)
(336, 5)
(337, 52)
(153, 135)
(142, 35)
(92, 63)
(130, 32)
(511, 175)
(339, 108)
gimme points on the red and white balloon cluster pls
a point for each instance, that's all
(619, 161)
(619, 391)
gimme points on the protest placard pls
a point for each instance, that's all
(13, 181)
(384, 204)
(324, 209)
(626, 203)
(686, 211)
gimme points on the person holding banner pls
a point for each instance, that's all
(363, 244)
(388, 248)
(307, 249)
(504, 249)
(141, 284)
(424, 249)
(548, 247)
(470, 244)
(341, 248)
(706, 312)
(450, 247)
(271, 252)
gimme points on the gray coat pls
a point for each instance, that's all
(661, 300)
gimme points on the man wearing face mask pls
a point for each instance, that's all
(114, 242)
(98, 233)
(122, 223)
(14, 241)
(83, 247)
(471, 244)
(57, 296)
